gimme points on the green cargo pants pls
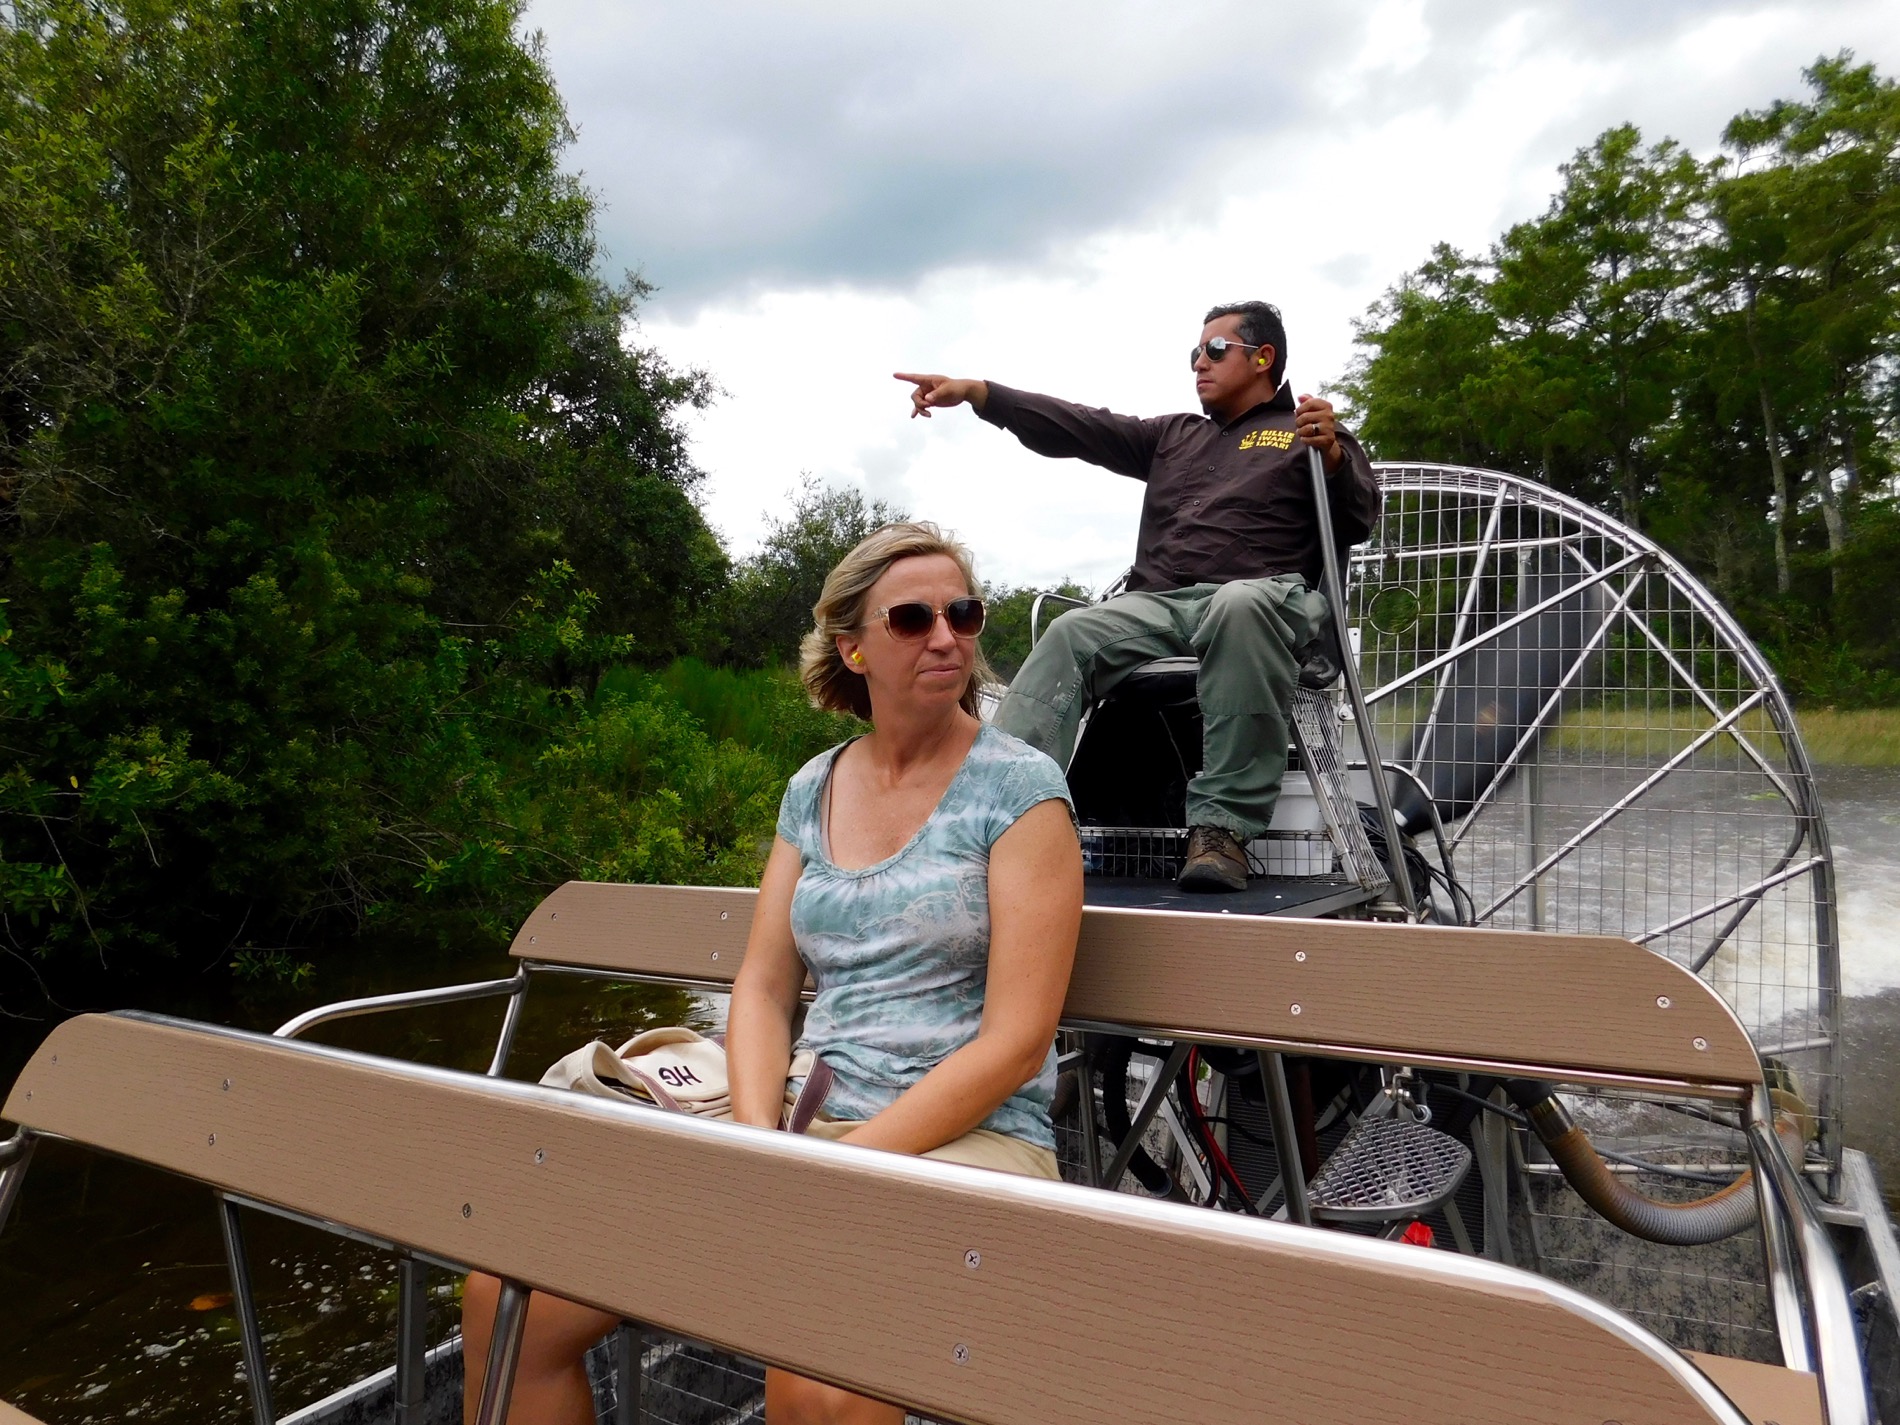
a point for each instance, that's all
(1247, 635)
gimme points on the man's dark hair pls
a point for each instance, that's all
(1260, 325)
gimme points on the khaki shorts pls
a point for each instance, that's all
(979, 1148)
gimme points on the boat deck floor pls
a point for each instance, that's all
(1265, 895)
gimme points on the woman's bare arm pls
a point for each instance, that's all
(1035, 916)
(765, 997)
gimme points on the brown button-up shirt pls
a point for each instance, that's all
(1224, 502)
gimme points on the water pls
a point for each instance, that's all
(1862, 805)
(113, 1294)
(114, 1299)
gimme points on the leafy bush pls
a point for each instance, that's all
(763, 709)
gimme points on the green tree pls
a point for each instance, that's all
(1815, 232)
(317, 427)
(769, 605)
(1436, 336)
(1588, 297)
(1006, 640)
(1709, 349)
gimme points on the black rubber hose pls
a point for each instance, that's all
(1720, 1215)
(1113, 1057)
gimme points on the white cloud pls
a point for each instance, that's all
(829, 193)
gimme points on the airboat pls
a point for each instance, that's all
(1510, 1089)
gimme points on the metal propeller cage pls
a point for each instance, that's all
(1658, 791)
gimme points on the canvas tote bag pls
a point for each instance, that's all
(682, 1071)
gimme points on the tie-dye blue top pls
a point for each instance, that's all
(900, 950)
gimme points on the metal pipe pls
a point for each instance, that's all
(1035, 611)
(1766, 883)
(1190, 1151)
(408, 999)
(1085, 1110)
(1441, 551)
(510, 1022)
(1530, 792)
(1349, 665)
(1150, 1106)
(412, 1341)
(1492, 1177)
(1836, 1346)
(1286, 1138)
(1784, 1289)
(16, 1156)
(1730, 1209)
(1399, 769)
(504, 1354)
(629, 1351)
(250, 1335)
(1747, 908)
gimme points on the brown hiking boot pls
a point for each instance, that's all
(1215, 861)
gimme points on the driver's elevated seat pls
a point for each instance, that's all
(1141, 745)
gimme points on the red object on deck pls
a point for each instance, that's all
(1419, 1235)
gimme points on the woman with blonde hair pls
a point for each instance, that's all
(927, 876)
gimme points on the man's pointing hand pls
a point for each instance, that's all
(942, 392)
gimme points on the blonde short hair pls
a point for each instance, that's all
(843, 608)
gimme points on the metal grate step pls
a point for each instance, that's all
(1388, 1168)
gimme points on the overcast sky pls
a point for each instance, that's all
(1050, 195)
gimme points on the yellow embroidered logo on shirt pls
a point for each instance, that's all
(1267, 440)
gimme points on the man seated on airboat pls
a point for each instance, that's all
(1227, 566)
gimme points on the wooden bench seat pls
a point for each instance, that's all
(1767, 1395)
(1588, 1008)
(1585, 1008)
(972, 1296)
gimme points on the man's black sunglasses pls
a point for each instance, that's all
(1216, 348)
(915, 619)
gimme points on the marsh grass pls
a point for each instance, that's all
(1852, 737)
(1863, 737)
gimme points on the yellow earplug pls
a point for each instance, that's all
(857, 657)
(1260, 361)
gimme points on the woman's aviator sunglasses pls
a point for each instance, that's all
(915, 619)
(1217, 348)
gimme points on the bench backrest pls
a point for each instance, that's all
(970, 1295)
(1588, 1008)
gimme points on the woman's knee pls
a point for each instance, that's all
(794, 1400)
(558, 1332)
(480, 1294)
